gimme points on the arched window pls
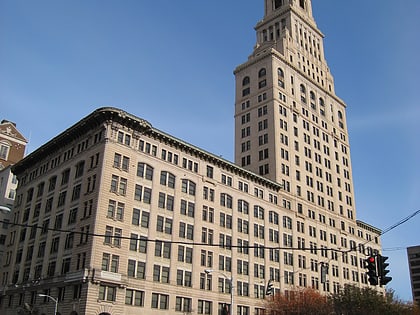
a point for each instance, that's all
(340, 115)
(280, 72)
(312, 95)
(321, 101)
(245, 81)
(302, 89)
(262, 72)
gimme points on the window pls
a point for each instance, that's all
(69, 241)
(136, 269)
(160, 301)
(226, 180)
(183, 304)
(226, 200)
(208, 193)
(166, 201)
(110, 262)
(4, 150)
(204, 307)
(185, 254)
(161, 274)
(188, 187)
(72, 216)
(143, 194)
(51, 183)
(167, 179)
(209, 171)
(187, 208)
(140, 218)
(65, 176)
(79, 169)
(164, 225)
(186, 230)
(54, 245)
(115, 210)
(76, 192)
(163, 249)
(107, 293)
(118, 185)
(113, 236)
(61, 198)
(243, 206)
(121, 162)
(144, 171)
(134, 297)
(191, 165)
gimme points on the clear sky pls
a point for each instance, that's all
(172, 62)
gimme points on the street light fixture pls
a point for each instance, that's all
(230, 279)
(5, 209)
(54, 299)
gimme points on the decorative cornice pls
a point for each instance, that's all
(139, 125)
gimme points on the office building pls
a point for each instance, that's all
(413, 254)
(114, 216)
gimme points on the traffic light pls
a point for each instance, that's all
(370, 264)
(382, 271)
(270, 288)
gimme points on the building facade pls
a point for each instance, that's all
(114, 216)
(413, 254)
(12, 144)
(8, 185)
(12, 150)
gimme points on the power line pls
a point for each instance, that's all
(212, 244)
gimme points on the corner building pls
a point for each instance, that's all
(113, 216)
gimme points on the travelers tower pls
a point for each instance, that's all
(289, 125)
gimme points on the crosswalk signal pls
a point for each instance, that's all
(370, 264)
(382, 270)
(270, 288)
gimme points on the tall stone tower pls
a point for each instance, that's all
(289, 125)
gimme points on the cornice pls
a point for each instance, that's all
(110, 115)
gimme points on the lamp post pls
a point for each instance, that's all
(230, 279)
(54, 299)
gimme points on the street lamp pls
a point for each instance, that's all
(55, 300)
(230, 279)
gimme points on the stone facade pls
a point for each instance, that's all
(113, 216)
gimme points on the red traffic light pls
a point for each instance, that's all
(371, 259)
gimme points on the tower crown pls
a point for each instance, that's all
(304, 7)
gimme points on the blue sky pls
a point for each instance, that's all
(171, 62)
